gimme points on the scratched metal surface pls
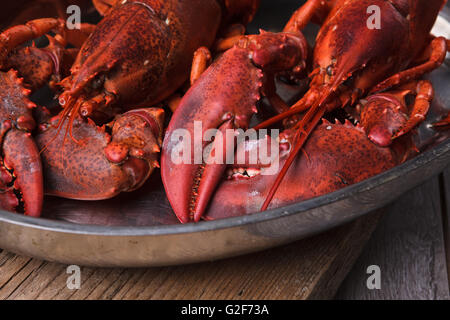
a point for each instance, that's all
(139, 228)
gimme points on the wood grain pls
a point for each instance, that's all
(409, 248)
(309, 269)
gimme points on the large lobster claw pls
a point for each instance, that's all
(223, 99)
(21, 180)
(103, 161)
(21, 174)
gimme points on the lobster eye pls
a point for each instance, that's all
(98, 82)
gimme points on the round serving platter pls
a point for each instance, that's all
(139, 229)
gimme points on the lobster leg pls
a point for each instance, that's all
(202, 60)
(174, 101)
(77, 37)
(425, 95)
(443, 123)
(438, 49)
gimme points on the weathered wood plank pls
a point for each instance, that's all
(312, 268)
(408, 246)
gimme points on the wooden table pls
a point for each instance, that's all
(408, 240)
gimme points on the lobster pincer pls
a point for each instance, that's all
(21, 182)
(104, 161)
(224, 98)
(328, 166)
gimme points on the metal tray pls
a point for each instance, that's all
(139, 229)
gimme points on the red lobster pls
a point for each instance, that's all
(137, 56)
(351, 61)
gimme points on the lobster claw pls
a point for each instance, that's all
(104, 161)
(382, 116)
(194, 158)
(189, 174)
(136, 144)
(386, 116)
(21, 178)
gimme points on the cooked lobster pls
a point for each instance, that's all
(350, 62)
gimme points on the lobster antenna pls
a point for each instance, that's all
(73, 109)
(305, 127)
(291, 112)
(61, 121)
(312, 118)
(63, 117)
(72, 117)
